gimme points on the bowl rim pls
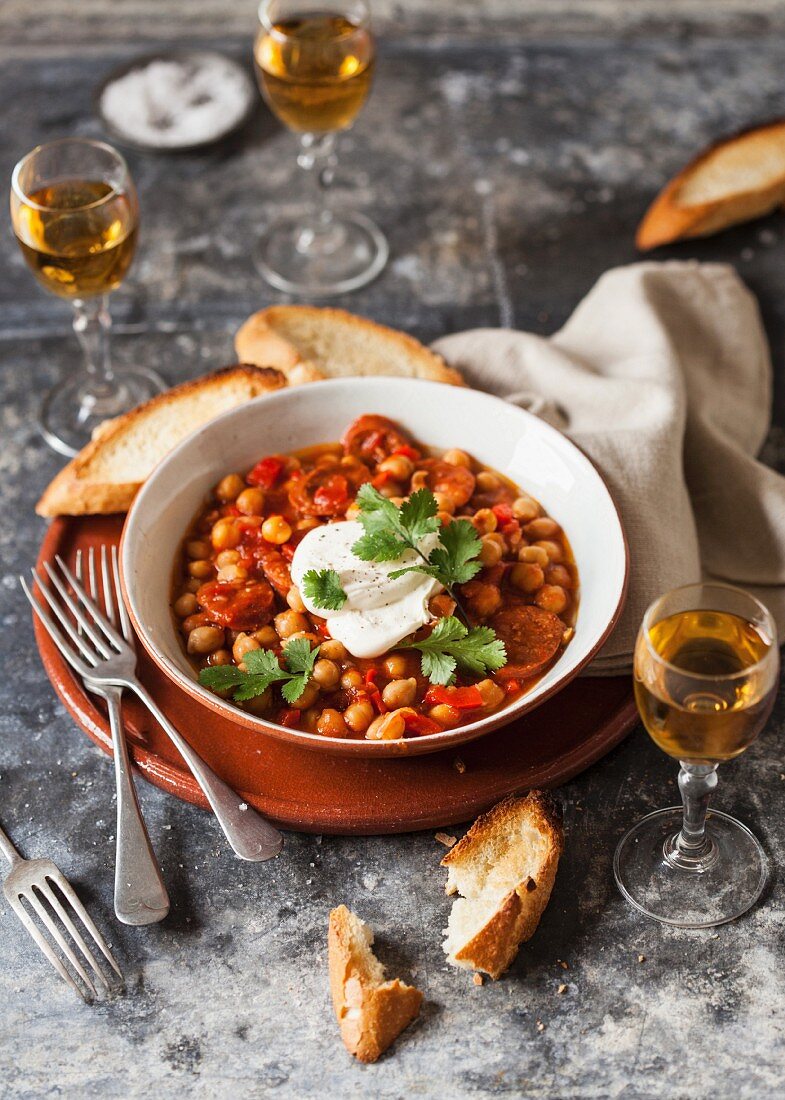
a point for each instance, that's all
(433, 742)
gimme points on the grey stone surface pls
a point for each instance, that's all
(508, 178)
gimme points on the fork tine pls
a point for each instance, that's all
(79, 615)
(45, 946)
(37, 904)
(76, 664)
(51, 897)
(91, 575)
(125, 622)
(89, 605)
(108, 587)
(67, 890)
(74, 634)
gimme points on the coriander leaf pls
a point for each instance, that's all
(221, 677)
(480, 651)
(438, 667)
(379, 546)
(477, 650)
(323, 586)
(299, 656)
(262, 668)
(263, 662)
(418, 515)
(455, 561)
(447, 630)
(376, 512)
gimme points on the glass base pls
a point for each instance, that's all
(321, 258)
(699, 893)
(71, 411)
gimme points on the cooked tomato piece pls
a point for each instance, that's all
(267, 472)
(240, 605)
(373, 438)
(503, 512)
(420, 724)
(531, 637)
(328, 490)
(456, 482)
(290, 717)
(462, 698)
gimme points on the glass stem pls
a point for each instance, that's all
(93, 325)
(319, 233)
(693, 849)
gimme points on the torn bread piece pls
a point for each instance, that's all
(740, 178)
(309, 343)
(504, 868)
(371, 1011)
(107, 474)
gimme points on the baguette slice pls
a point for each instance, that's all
(309, 343)
(505, 868)
(106, 474)
(371, 1012)
(736, 180)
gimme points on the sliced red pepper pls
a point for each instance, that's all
(408, 452)
(503, 513)
(288, 549)
(510, 528)
(420, 724)
(266, 472)
(332, 494)
(512, 686)
(461, 698)
(381, 479)
(373, 692)
(290, 717)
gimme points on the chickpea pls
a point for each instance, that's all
(400, 693)
(227, 557)
(333, 649)
(527, 576)
(457, 458)
(353, 511)
(310, 522)
(313, 639)
(445, 715)
(275, 529)
(233, 573)
(294, 599)
(332, 724)
(398, 466)
(559, 574)
(551, 597)
(200, 569)
(483, 599)
(205, 639)
(491, 550)
(197, 548)
(245, 643)
(309, 719)
(290, 622)
(259, 704)
(513, 536)
(308, 697)
(542, 528)
(487, 481)
(535, 554)
(390, 489)
(220, 657)
(326, 673)
(193, 584)
(352, 679)
(266, 637)
(191, 623)
(358, 716)
(441, 606)
(419, 480)
(185, 605)
(251, 502)
(225, 534)
(396, 666)
(525, 508)
(485, 521)
(387, 727)
(554, 550)
(445, 503)
(229, 488)
(492, 694)
(444, 518)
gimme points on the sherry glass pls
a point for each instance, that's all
(75, 215)
(314, 67)
(705, 667)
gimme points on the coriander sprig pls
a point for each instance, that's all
(451, 646)
(323, 587)
(264, 669)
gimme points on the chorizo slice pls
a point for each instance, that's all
(327, 490)
(532, 638)
(456, 482)
(275, 568)
(373, 438)
(240, 605)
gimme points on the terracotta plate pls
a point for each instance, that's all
(313, 792)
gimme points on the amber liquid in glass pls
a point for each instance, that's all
(714, 722)
(315, 71)
(77, 245)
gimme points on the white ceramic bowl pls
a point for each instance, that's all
(530, 452)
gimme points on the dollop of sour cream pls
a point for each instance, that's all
(379, 611)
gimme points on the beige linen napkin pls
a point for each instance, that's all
(662, 375)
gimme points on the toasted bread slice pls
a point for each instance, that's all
(106, 474)
(309, 343)
(736, 180)
(371, 1011)
(505, 868)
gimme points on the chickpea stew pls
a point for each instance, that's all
(372, 589)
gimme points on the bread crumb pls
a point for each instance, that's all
(641, 958)
(540, 1025)
(478, 979)
(564, 965)
(459, 765)
(563, 987)
(445, 839)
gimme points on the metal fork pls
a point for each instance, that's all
(101, 656)
(140, 895)
(30, 886)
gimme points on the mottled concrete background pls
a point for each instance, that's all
(509, 170)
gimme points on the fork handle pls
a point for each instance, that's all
(140, 895)
(8, 850)
(249, 834)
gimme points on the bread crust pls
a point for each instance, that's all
(494, 946)
(260, 340)
(75, 492)
(371, 1012)
(668, 220)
